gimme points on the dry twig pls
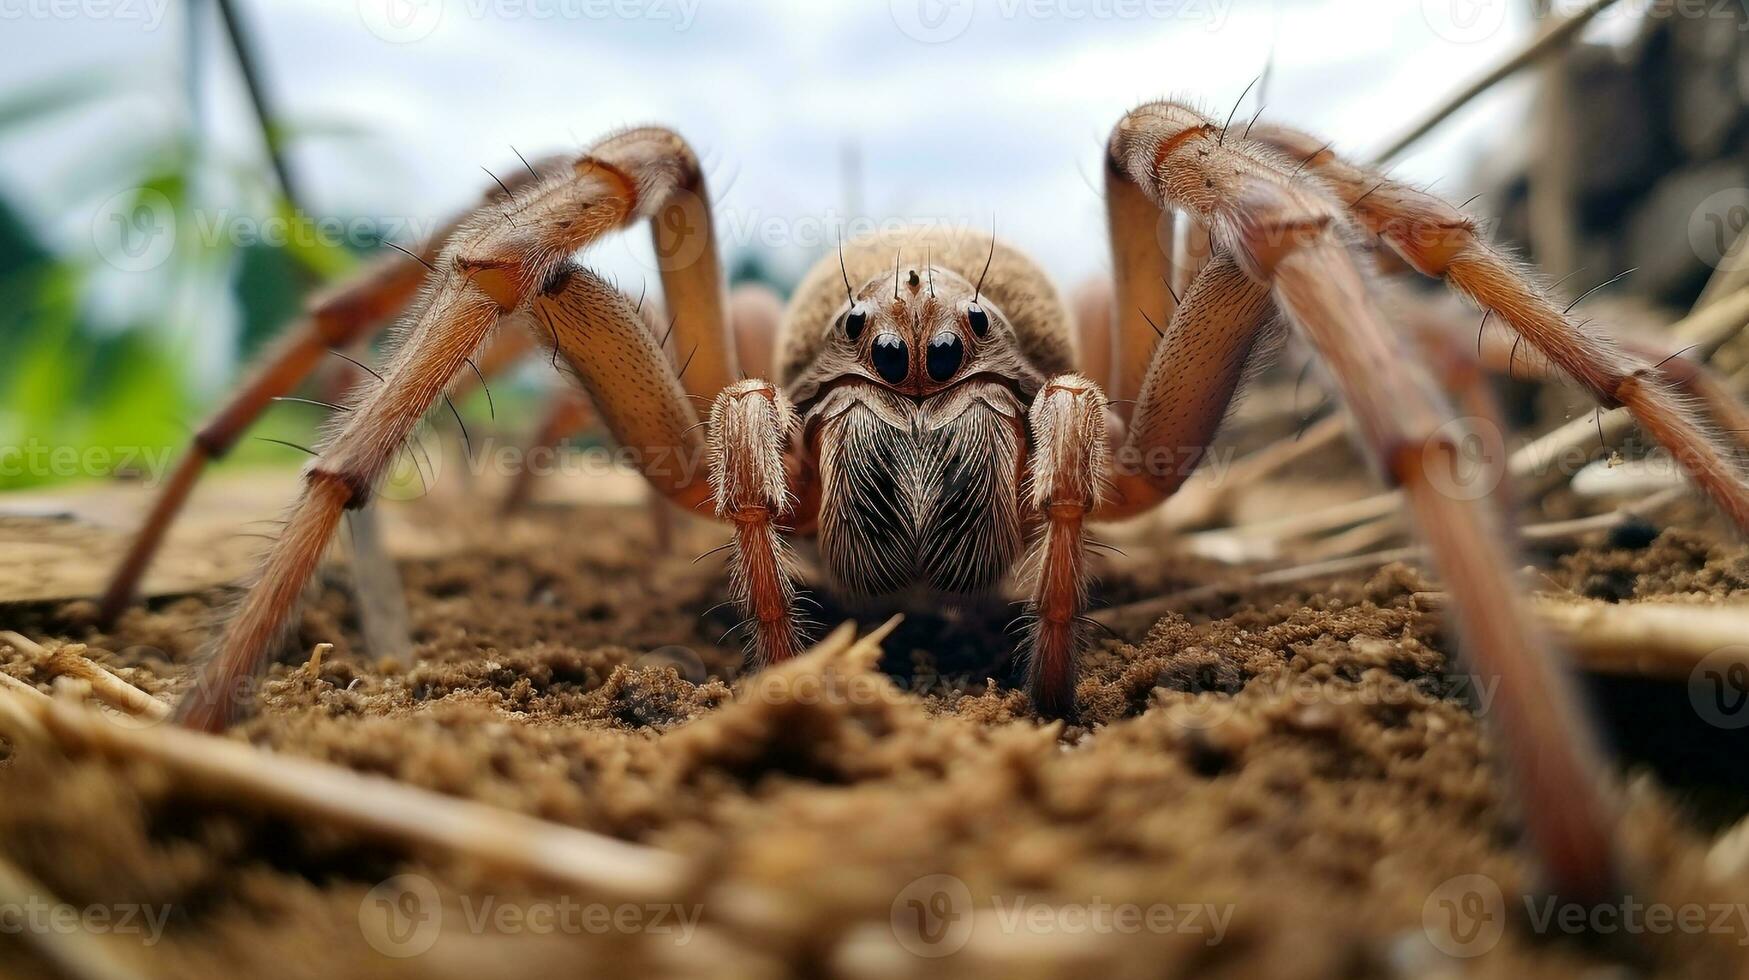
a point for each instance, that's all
(1541, 533)
(1550, 39)
(372, 805)
(308, 789)
(1205, 497)
(1640, 639)
(110, 689)
(10, 683)
(1705, 330)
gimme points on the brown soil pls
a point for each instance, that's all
(1299, 761)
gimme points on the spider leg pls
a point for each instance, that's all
(1699, 382)
(1093, 306)
(632, 385)
(1284, 231)
(1192, 378)
(752, 425)
(754, 314)
(692, 287)
(335, 319)
(1438, 330)
(1143, 273)
(1067, 475)
(1693, 379)
(1440, 241)
(1463, 375)
(489, 269)
(611, 347)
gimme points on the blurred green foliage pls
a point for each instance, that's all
(83, 398)
(64, 384)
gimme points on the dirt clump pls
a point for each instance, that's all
(1282, 782)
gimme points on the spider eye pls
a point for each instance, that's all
(891, 359)
(979, 320)
(945, 355)
(854, 321)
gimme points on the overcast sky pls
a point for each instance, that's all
(959, 110)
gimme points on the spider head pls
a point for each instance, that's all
(920, 329)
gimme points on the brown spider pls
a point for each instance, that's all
(926, 419)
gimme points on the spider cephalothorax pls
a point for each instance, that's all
(937, 420)
(914, 361)
(913, 416)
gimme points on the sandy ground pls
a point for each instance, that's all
(1277, 782)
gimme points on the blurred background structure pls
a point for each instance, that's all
(161, 216)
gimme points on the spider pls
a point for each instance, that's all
(932, 423)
